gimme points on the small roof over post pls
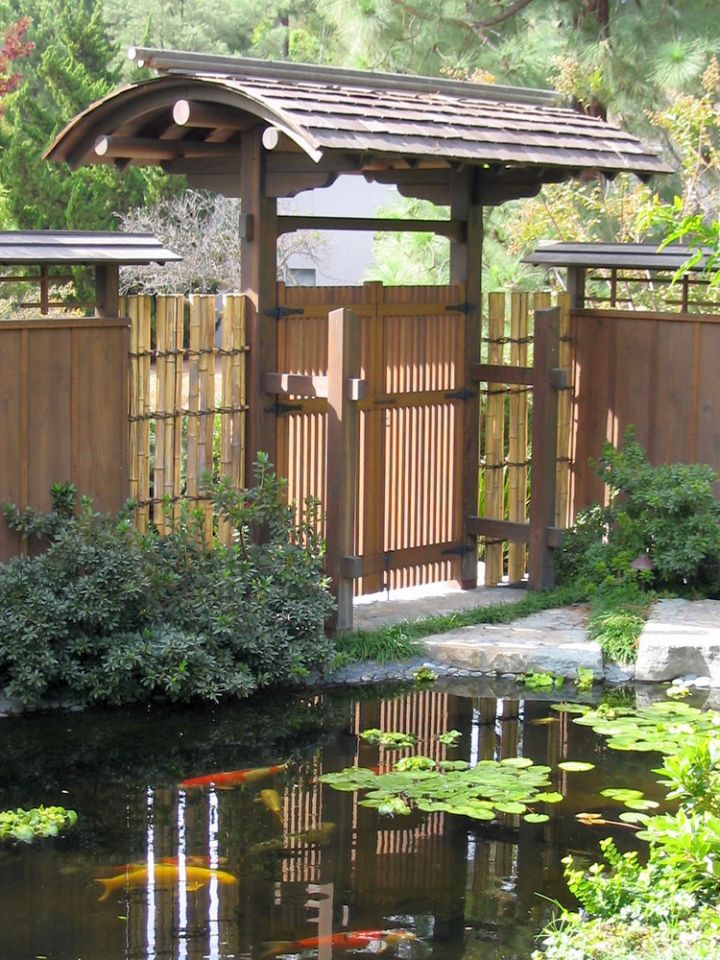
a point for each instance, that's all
(105, 251)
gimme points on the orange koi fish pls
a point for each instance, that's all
(163, 874)
(271, 800)
(352, 940)
(233, 778)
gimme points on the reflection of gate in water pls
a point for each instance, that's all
(439, 866)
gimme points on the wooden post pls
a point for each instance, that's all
(544, 447)
(576, 287)
(106, 290)
(466, 267)
(495, 438)
(342, 453)
(258, 258)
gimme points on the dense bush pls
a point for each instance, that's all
(108, 614)
(667, 513)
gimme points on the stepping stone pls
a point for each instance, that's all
(680, 637)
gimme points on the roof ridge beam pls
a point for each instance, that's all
(181, 61)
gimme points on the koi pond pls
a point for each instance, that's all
(163, 863)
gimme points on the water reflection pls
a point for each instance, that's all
(465, 889)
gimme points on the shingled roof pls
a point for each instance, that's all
(325, 112)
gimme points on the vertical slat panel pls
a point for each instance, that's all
(518, 434)
(495, 437)
(563, 438)
(133, 312)
(180, 438)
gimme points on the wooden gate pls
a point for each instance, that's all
(408, 516)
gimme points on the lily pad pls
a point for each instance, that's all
(576, 766)
(536, 818)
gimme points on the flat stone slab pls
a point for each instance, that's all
(680, 638)
(429, 600)
(554, 641)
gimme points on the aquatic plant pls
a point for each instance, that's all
(513, 786)
(424, 675)
(541, 681)
(27, 825)
(392, 739)
(663, 726)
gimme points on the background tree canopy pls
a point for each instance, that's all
(648, 64)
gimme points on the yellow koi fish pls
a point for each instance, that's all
(271, 800)
(316, 835)
(163, 874)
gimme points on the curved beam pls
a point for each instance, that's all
(75, 143)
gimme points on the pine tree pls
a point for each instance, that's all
(71, 66)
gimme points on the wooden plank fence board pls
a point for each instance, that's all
(518, 434)
(494, 459)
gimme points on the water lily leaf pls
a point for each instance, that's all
(641, 804)
(551, 797)
(634, 817)
(570, 708)
(516, 762)
(536, 818)
(576, 766)
(454, 765)
(511, 807)
(475, 811)
(621, 794)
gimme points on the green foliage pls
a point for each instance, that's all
(69, 68)
(618, 612)
(27, 825)
(424, 675)
(541, 681)
(107, 614)
(661, 531)
(391, 739)
(633, 904)
(512, 786)
(585, 678)
(450, 737)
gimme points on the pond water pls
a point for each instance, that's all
(464, 888)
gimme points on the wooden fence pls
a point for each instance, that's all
(187, 413)
(656, 371)
(62, 418)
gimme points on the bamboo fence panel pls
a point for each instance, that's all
(518, 434)
(494, 460)
(175, 392)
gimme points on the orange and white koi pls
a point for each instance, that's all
(232, 778)
(351, 940)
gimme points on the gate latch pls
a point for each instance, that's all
(463, 394)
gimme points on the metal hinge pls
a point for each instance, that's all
(458, 551)
(458, 307)
(463, 394)
(279, 408)
(280, 312)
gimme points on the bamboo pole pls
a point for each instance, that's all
(518, 434)
(162, 373)
(145, 409)
(179, 420)
(132, 311)
(235, 305)
(562, 517)
(495, 438)
(193, 425)
(226, 417)
(207, 402)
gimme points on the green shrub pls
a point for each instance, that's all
(108, 614)
(668, 513)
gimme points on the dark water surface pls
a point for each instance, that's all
(467, 889)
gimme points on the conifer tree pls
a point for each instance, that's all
(70, 67)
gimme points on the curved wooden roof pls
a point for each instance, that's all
(330, 115)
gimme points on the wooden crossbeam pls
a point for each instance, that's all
(455, 229)
(310, 385)
(147, 148)
(510, 530)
